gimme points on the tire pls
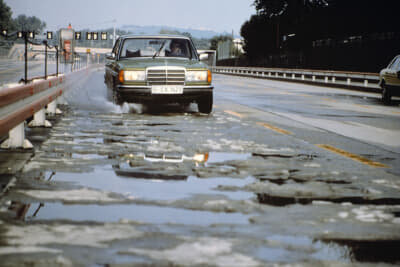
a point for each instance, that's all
(116, 98)
(185, 105)
(205, 103)
(386, 96)
(109, 94)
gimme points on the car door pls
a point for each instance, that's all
(392, 73)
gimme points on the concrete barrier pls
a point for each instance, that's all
(17, 104)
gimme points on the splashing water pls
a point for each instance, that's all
(132, 108)
(91, 95)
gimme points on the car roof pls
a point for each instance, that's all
(154, 36)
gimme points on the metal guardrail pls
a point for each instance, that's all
(17, 104)
(355, 80)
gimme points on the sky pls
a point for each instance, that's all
(216, 15)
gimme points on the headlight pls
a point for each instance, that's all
(132, 75)
(197, 76)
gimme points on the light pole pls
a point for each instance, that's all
(114, 21)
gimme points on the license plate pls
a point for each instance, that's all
(166, 89)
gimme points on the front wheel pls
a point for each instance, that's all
(205, 103)
(386, 96)
(116, 98)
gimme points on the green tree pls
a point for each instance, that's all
(24, 23)
(259, 37)
(270, 8)
(216, 39)
(6, 21)
(201, 43)
(283, 28)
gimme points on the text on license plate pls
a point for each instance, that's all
(166, 89)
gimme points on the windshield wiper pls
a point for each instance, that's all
(159, 50)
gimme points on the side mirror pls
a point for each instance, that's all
(110, 56)
(398, 74)
(203, 56)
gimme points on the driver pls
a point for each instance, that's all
(176, 49)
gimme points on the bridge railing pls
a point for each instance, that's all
(17, 104)
(355, 80)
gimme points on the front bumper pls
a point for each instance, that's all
(133, 93)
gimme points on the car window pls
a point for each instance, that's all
(115, 48)
(162, 47)
(395, 64)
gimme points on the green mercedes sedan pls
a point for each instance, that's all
(156, 69)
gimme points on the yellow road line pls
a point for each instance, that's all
(329, 99)
(274, 128)
(253, 86)
(353, 156)
(362, 106)
(286, 93)
(234, 113)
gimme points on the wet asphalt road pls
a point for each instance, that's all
(279, 173)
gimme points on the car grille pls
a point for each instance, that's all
(165, 76)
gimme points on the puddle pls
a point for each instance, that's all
(139, 213)
(218, 157)
(84, 156)
(291, 248)
(153, 187)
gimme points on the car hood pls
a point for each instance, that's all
(150, 62)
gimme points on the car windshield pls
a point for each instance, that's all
(156, 47)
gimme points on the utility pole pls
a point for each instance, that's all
(114, 32)
(45, 59)
(26, 57)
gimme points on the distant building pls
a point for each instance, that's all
(238, 46)
(230, 49)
